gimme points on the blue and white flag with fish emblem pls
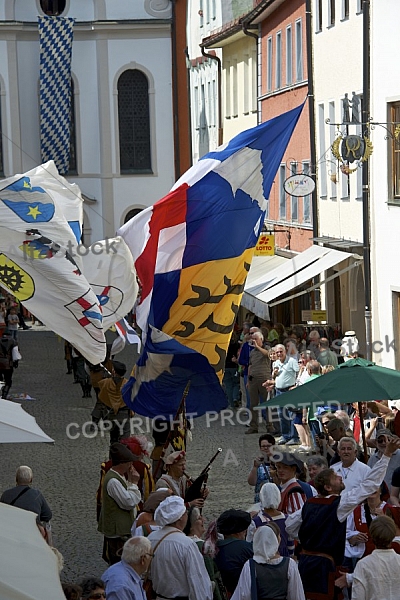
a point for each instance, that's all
(76, 291)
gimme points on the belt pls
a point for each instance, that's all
(174, 598)
(320, 554)
(283, 389)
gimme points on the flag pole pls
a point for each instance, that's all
(360, 414)
(181, 408)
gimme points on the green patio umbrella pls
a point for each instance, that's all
(357, 380)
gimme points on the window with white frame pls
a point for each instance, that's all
(209, 104)
(394, 155)
(307, 214)
(214, 102)
(331, 13)
(246, 84)
(278, 65)
(207, 15)
(196, 107)
(332, 167)
(322, 151)
(213, 10)
(289, 55)
(359, 6)
(282, 193)
(359, 128)
(253, 80)
(318, 15)
(269, 64)
(201, 13)
(235, 89)
(227, 89)
(203, 114)
(299, 51)
(345, 9)
(294, 199)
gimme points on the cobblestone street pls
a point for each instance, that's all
(67, 472)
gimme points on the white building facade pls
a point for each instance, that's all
(203, 16)
(385, 183)
(337, 54)
(116, 46)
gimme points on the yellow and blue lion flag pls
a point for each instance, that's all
(192, 252)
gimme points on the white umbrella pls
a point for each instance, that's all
(28, 566)
(16, 425)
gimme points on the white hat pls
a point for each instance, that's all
(170, 510)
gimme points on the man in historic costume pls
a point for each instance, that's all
(177, 569)
(110, 394)
(8, 346)
(175, 478)
(138, 445)
(120, 496)
(233, 551)
(293, 491)
(321, 525)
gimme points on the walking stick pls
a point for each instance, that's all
(363, 431)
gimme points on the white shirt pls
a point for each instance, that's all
(357, 550)
(127, 499)
(377, 576)
(177, 568)
(352, 476)
(349, 499)
(295, 587)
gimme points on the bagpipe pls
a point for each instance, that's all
(197, 487)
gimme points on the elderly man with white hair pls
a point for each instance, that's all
(178, 569)
(352, 471)
(270, 499)
(124, 579)
(24, 496)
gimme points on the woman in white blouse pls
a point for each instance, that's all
(273, 575)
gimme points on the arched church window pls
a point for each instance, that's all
(132, 213)
(134, 122)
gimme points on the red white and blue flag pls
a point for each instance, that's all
(192, 251)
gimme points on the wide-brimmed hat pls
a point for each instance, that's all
(290, 460)
(121, 454)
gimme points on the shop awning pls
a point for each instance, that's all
(260, 267)
(293, 273)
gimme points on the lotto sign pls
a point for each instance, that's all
(265, 245)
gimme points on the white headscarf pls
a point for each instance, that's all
(270, 496)
(265, 544)
(170, 510)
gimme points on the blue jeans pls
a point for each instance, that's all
(288, 429)
(231, 385)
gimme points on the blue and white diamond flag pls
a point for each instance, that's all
(55, 34)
